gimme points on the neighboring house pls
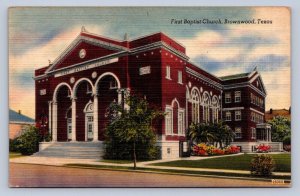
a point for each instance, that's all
(278, 112)
(75, 90)
(17, 123)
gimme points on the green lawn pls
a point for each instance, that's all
(116, 161)
(239, 162)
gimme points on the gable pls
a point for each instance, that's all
(88, 52)
(258, 83)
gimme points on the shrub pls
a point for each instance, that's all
(28, 142)
(13, 145)
(262, 165)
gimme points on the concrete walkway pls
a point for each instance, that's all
(147, 164)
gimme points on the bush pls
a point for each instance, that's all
(262, 165)
(13, 145)
(28, 142)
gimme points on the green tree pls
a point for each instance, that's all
(222, 133)
(28, 142)
(281, 129)
(132, 130)
(200, 132)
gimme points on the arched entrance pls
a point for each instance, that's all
(89, 121)
(61, 105)
(106, 87)
(83, 94)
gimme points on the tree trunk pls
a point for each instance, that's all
(134, 156)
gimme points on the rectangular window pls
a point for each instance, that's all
(168, 72)
(180, 77)
(227, 98)
(238, 132)
(252, 117)
(238, 115)
(168, 121)
(253, 133)
(237, 96)
(228, 116)
(180, 122)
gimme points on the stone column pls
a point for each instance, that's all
(50, 118)
(95, 134)
(73, 119)
(54, 133)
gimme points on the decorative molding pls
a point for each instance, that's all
(254, 110)
(198, 75)
(235, 108)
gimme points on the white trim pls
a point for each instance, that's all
(80, 38)
(181, 110)
(254, 110)
(168, 72)
(77, 84)
(179, 77)
(173, 101)
(58, 87)
(235, 108)
(236, 114)
(202, 77)
(107, 74)
(91, 64)
(169, 109)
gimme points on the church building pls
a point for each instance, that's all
(74, 91)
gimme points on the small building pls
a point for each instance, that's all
(17, 123)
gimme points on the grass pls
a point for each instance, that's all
(15, 155)
(116, 161)
(239, 162)
(170, 171)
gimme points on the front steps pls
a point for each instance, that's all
(74, 150)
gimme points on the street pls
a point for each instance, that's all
(26, 175)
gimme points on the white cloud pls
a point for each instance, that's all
(24, 98)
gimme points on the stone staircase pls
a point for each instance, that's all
(74, 150)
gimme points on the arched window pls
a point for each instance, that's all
(215, 109)
(195, 106)
(206, 105)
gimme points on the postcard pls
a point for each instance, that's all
(149, 97)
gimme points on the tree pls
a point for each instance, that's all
(222, 133)
(200, 132)
(281, 129)
(132, 130)
(211, 133)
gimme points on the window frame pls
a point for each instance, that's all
(228, 97)
(238, 134)
(237, 113)
(228, 112)
(235, 96)
(168, 72)
(169, 130)
(180, 77)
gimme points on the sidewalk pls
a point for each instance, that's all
(63, 161)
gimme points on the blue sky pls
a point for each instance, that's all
(37, 35)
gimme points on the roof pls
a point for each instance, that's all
(277, 112)
(19, 118)
(235, 76)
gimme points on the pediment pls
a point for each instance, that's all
(82, 50)
(258, 83)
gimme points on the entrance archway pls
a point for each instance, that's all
(62, 100)
(106, 87)
(83, 94)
